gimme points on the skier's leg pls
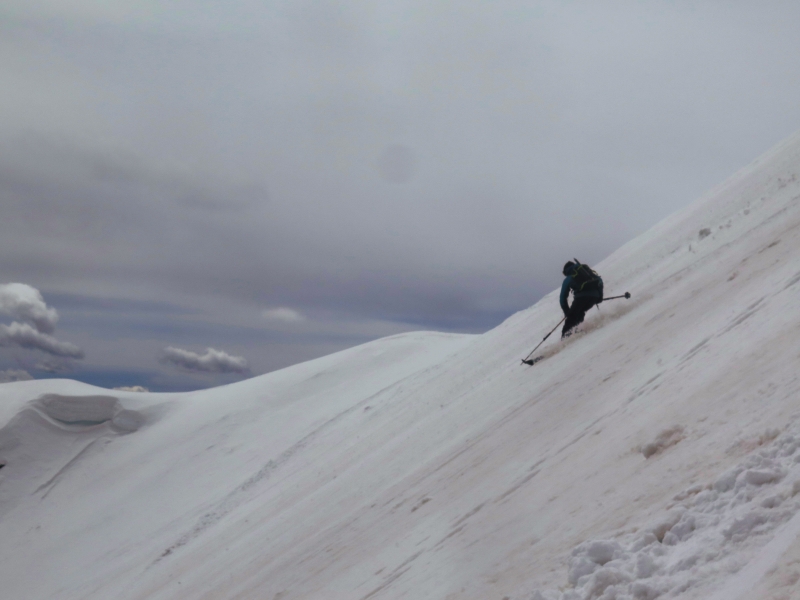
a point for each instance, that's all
(574, 317)
(576, 314)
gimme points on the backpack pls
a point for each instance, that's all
(584, 279)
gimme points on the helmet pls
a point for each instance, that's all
(568, 267)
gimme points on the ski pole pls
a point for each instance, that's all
(527, 360)
(626, 295)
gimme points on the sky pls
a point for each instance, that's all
(201, 192)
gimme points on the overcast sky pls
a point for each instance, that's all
(204, 191)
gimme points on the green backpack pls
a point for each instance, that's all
(584, 279)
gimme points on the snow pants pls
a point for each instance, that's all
(577, 312)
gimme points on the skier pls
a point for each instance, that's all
(587, 290)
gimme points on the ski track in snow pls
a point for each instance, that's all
(248, 489)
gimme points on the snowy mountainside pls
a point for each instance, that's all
(653, 455)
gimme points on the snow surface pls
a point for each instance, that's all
(656, 454)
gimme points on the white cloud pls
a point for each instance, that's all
(286, 315)
(132, 388)
(25, 336)
(213, 361)
(24, 302)
(14, 375)
(34, 323)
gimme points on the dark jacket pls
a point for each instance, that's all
(595, 292)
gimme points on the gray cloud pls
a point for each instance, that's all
(25, 303)
(50, 365)
(213, 361)
(396, 163)
(25, 336)
(14, 375)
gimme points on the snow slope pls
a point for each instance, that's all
(654, 455)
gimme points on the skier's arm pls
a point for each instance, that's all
(565, 294)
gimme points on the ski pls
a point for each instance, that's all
(532, 361)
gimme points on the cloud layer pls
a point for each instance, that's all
(283, 314)
(213, 361)
(25, 336)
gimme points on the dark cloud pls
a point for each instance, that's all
(14, 375)
(112, 306)
(213, 361)
(25, 336)
(250, 258)
(54, 366)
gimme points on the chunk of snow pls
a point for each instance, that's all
(665, 439)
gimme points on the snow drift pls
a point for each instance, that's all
(654, 455)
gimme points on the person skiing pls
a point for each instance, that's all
(587, 291)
